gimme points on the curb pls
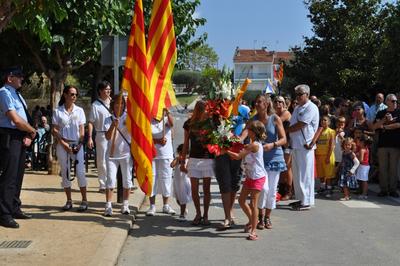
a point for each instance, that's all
(111, 246)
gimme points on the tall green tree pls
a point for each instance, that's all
(389, 56)
(69, 38)
(200, 58)
(342, 56)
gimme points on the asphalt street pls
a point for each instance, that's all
(356, 232)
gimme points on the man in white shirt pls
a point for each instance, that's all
(375, 108)
(98, 114)
(303, 126)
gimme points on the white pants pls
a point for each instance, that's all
(162, 177)
(63, 159)
(126, 165)
(268, 193)
(303, 176)
(101, 148)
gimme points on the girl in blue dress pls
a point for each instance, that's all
(347, 168)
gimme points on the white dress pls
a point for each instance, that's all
(182, 187)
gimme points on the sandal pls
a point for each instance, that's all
(224, 226)
(252, 237)
(247, 228)
(196, 221)
(345, 199)
(205, 221)
(267, 223)
(260, 225)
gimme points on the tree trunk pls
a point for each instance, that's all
(57, 80)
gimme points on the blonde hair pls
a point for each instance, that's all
(270, 108)
(348, 140)
(258, 128)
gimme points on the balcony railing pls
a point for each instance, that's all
(252, 75)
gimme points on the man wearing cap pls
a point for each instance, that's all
(15, 135)
(303, 126)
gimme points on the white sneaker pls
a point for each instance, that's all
(151, 211)
(168, 210)
(125, 209)
(108, 211)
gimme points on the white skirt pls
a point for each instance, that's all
(200, 168)
(362, 172)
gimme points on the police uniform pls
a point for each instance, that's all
(303, 159)
(98, 115)
(69, 130)
(12, 153)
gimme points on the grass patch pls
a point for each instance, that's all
(186, 99)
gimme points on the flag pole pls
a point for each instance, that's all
(118, 114)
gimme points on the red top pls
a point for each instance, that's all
(365, 160)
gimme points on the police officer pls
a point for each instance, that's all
(15, 135)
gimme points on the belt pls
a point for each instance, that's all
(101, 131)
(12, 131)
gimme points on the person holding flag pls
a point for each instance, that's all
(162, 172)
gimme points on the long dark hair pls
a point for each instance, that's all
(65, 91)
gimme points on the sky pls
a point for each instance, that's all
(276, 24)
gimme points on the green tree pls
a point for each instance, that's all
(68, 39)
(201, 58)
(389, 55)
(342, 56)
(191, 79)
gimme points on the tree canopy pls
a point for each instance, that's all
(59, 37)
(342, 58)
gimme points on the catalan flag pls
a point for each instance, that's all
(161, 56)
(135, 81)
(278, 74)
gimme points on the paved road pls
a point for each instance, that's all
(334, 233)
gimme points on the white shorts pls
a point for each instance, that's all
(162, 177)
(200, 168)
(362, 172)
(126, 170)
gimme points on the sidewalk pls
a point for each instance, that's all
(66, 238)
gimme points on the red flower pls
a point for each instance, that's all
(214, 149)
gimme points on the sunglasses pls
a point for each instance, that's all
(278, 102)
(300, 94)
(73, 94)
(394, 101)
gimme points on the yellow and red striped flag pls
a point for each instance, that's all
(136, 82)
(161, 56)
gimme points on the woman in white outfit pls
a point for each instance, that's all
(162, 172)
(118, 154)
(68, 129)
(98, 114)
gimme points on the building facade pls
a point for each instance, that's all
(257, 65)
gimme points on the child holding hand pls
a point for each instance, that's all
(255, 175)
(181, 184)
